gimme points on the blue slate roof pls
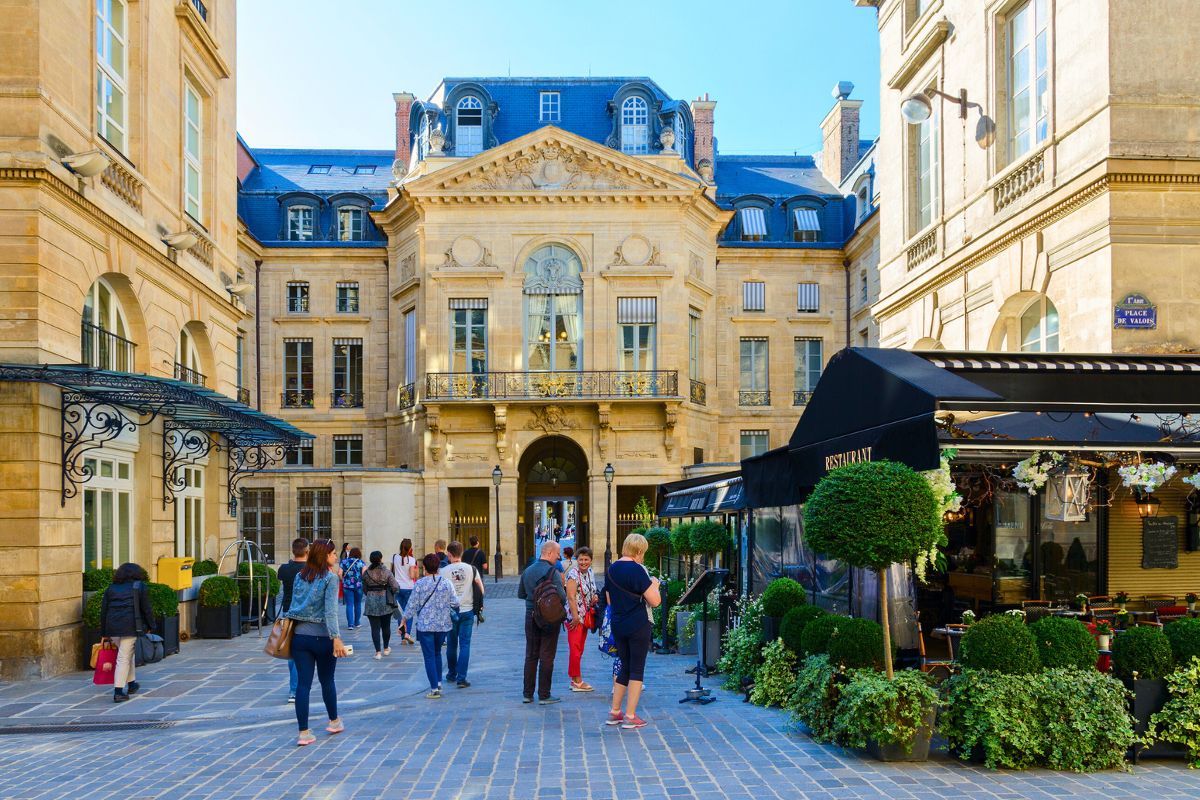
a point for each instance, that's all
(779, 179)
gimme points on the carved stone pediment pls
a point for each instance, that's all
(550, 418)
(550, 168)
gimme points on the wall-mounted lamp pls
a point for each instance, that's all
(87, 164)
(184, 240)
(1147, 504)
(918, 108)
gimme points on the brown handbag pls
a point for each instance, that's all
(279, 643)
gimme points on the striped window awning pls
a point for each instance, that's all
(347, 437)
(348, 342)
(637, 310)
(287, 339)
(808, 297)
(807, 219)
(754, 296)
(347, 284)
(461, 303)
(754, 223)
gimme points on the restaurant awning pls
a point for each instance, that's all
(704, 496)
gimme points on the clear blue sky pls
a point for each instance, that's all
(317, 74)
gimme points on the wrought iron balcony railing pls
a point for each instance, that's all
(564, 385)
(243, 395)
(698, 393)
(754, 398)
(801, 397)
(104, 350)
(406, 396)
(296, 398)
(346, 400)
(190, 375)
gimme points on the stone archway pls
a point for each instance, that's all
(552, 495)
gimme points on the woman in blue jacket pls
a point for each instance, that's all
(316, 640)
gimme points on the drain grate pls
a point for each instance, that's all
(85, 727)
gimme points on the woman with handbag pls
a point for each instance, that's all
(352, 588)
(316, 639)
(581, 613)
(380, 588)
(125, 615)
(428, 614)
(630, 592)
(404, 569)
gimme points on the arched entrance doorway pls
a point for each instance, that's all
(552, 495)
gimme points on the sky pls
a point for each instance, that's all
(317, 74)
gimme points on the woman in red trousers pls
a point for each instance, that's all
(581, 612)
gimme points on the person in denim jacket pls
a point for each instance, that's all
(428, 613)
(316, 639)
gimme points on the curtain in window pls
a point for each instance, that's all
(567, 309)
(537, 332)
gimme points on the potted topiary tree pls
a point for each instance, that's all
(1064, 642)
(218, 616)
(856, 644)
(780, 597)
(709, 538)
(164, 604)
(681, 543)
(1004, 644)
(1184, 636)
(1142, 659)
(659, 540)
(259, 593)
(202, 570)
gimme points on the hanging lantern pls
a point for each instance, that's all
(1068, 494)
(1147, 503)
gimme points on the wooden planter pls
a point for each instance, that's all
(920, 743)
(168, 629)
(218, 623)
(1149, 697)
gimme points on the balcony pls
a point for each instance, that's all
(754, 398)
(564, 385)
(243, 395)
(190, 375)
(104, 350)
(800, 397)
(296, 398)
(346, 400)
(698, 393)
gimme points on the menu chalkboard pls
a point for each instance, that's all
(1160, 543)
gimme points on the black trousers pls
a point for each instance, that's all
(540, 645)
(381, 625)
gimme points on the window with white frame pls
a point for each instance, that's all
(1039, 327)
(300, 455)
(319, 169)
(348, 450)
(112, 62)
(924, 170)
(553, 309)
(297, 297)
(347, 297)
(753, 223)
(755, 443)
(636, 320)
(351, 224)
(300, 223)
(104, 333)
(193, 151)
(108, 511)
(468, 335)
(754, 296)
(314, 513)
(410, 346)
(635, 126)
(468, 127)
(189, 511)
(682, 145)
(808, 297)
(695, 366)
(297, 373)
(1028, 77)
(807, 368)
(549, 107)
(364, 169)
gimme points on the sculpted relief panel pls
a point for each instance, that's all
(550, 168)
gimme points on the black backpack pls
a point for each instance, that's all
(549, 611)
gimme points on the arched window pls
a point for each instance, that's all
(553, 310)
(421, 143)
(1039, 327)
(635, 126)
(187, 360)
(468, 127)
(104, 333)
(681, 138)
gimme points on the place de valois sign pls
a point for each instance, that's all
(1135, 311)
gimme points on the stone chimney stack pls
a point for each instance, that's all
(840, 131)
(702, 141)
(404, 101)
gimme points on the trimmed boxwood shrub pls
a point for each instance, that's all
(97, 580)
(659, 541)
(218, 591)
(681, 539)
(264, 578)
(163, 600)
(1184, 636)
(1064, 642)
(709, 537)
(1146, 651)
(793, 624)
(1001, 643)
(204, 567)
(781, 596)
(857, 644)
(815, 638)
(91, 611)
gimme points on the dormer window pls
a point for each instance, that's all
(364, 169)
(300, 223)
(753, 222)
(319, 169)
(550, 105)
(635, 126)
(806, 225)
(351, 224)
(468, 127)
(681, 137)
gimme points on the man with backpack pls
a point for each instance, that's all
(545, 609)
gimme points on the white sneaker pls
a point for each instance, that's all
(378, 655)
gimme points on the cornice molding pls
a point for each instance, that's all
(919, 53)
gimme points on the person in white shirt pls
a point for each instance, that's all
(464, 578)
(404, 569)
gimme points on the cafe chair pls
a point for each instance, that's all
(1167, 614)
(1156, 601)
(939, 668)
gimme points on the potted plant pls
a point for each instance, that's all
(1001, 643)
(776, 676)
(1064, 642)
(1081, 602)
(658, 540)
(892, 719)
(164, 604)
(1121, 599)
(780, 597)
(202, 570)
(1103, 635)
(1178, 722)
(709, 538)
(258, 593)
(741, 646)
(218, 616)
(1184, 636)
(1192, 601)
(681, 542)
(1123, 620)
(968, 617)
(1142, 659)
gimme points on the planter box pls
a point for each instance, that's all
(218, 623)
(168, 629)
(194, 592)
(250, 609)
(770, 629)
(920, 743)
(1148, 698)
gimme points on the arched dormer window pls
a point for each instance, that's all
(750, 220)
(683, 144)
(468, 126)
(351, 221)
(804, 218)
(553, 310)
(635, 126)
(104, 332)
(301, 216)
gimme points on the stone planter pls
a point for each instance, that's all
(218, 623)
(770, 628)
(1149, 697)
(900, 752)
(168, 629)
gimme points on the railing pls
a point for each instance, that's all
(123, 184)
(190, 375)
(347, 305)
(698, 393)
(346, 400)
(104, 350)
(1019, 182)
(243, 395)
(201, 9)
(922, 249)
(746, 398)
(406, 396)
(551, 385)
(296, 398)
(801, 397)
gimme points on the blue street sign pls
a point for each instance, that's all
(1135, 311)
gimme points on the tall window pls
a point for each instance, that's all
(258, 520)
(297, 297)
(187, 360)
(924, 171)
(351, 222)
(300, 455)
(241, 361)
(550, 105)
(1039, 327)
(753, 387)
(553, 310)
(347, 297)
(695, 367)
(468, 335)
(636, 319)
(468, 127)
(300, 223)
(104, 334)
(189, 512)
(314, 513)
(348, 450)
(808, 369)
(755, 443)
(754, 296)
(682, 146)
(108, 512)
(112, 61)
(864, 288)
(193, 151)
(347, 374)
(297, 373)
(1028, 77)
(635, 126)
(410, 346)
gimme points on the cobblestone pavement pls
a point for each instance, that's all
(225, 732)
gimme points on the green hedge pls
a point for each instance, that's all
(219, 591)
(1001, 643)
(1064, 642)
(815, 638)
(1146, 651)
(781, 596)
(1184, 636)
(204, 567)
(97, 580)
(264, 578)
(857, 644)
(791, 628)
(91, 610)
(164, 602)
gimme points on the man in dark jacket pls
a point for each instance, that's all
(540, 643)
(124, 613)
(287, 577)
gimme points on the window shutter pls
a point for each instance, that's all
(637, 310)
(754, 223)
(807, 219)
(461, 303)
(808, 297)
(754, 296)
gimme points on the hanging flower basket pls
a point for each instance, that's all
(1146, 476)
(1032, 473)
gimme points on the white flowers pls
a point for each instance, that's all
(1147, 475)
(948, 499)
(1192, 480)
(1032, 473)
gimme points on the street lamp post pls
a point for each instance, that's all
(608, 479)
(497, 476)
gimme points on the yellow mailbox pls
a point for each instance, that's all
(176, 572)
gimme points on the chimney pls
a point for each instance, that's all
(840, 131)
(702, 141)
(404, 101)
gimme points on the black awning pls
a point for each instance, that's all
(1115, 431)
(773, 479)
(697, 497)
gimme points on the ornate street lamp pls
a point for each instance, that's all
(608, 478)
(497, 477)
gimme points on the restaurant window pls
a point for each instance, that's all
(108, 512)
(347, 373)
(553, 310)
(695, 367)
(314, 513)
(297, 297)
(754, 443)
(753, 388)
(1039, 327)
(808, 298)
(348, 450)
(112, 63)
(808, 368)
(297, 373)
(300, 454)
(754, 296)
(1070, 555)
(636, 322)
(258, 520)
(347, 297)
(1028, 77)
